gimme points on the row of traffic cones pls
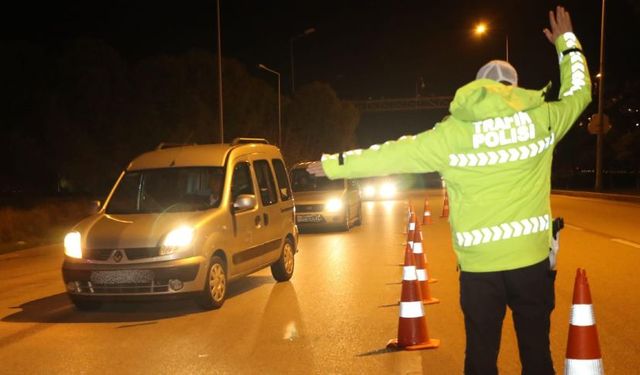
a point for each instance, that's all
(412, 324)
(583, 354)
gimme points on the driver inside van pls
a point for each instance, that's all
(215, 187)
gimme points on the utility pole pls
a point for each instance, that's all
(600, 134)
(219, 62)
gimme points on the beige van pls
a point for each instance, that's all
(321, 202)
(185, 221)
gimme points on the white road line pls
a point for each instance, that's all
(573, 227)
(625, 242)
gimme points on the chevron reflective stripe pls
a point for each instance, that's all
(417, 247)
(503, 231)
(582, 315)
(411, 309)
(482, 159)
(409, 273)
(422, 275)
(578, 69)
(583, 367)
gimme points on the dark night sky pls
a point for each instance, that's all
(363, 48)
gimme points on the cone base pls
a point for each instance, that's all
(430, 301)
(431, 281)
(429, 344)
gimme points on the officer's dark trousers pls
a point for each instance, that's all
(529, 293)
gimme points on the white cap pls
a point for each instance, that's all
(499, 70)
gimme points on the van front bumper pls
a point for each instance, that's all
(141, 279)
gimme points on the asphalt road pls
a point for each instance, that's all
(336, 314)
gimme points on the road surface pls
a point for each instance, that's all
(336, 314)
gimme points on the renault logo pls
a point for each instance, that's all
(117, 256)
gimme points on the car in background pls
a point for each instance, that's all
(378, 188)
(185, 221)
(321, 202)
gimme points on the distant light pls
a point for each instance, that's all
(598, 75)
(481, 28)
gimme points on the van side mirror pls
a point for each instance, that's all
(244, 202)
(94, 206)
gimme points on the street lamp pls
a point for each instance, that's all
(261, 66)
(482, 28)
(291, 40)
(219, 63)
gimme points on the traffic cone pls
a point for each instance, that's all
(412, 324)
(426, 214)
(445, 207)
(583, 350)
(421, 268)
(411, 229)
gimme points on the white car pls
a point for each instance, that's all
(321, 202)
(381, 188)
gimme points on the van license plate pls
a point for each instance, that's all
(122, 277)
(309, 218)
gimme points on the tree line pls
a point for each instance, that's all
(72, 119)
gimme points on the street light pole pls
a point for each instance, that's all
(261, 66)
(482, 28)
(600, 134)
(291, 40)
(219, 62)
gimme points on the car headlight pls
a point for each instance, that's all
(333, 205)
(178, 239)
(388, 190)
(369, 191)
(73, 245)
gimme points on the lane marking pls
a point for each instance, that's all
(618, 240)
(625, 242)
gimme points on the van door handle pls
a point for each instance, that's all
(266, 219)
(257, 221)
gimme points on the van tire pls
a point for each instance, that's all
(212, 298)
(82, 304)
(282, 269)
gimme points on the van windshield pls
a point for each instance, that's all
(303, 181)
(167, 190)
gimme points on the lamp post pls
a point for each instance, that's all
(291, 40)
(219, 61)
(482, 28)
(600, 135)
(261, 66)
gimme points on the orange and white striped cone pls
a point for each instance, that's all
(583, 349)
(411, 229)
(445, 206)
(426, 213)
(409, 211)
(421, 256)
(412, 324)
(421, 268)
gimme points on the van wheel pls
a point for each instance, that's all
(215, 287)
(84, 304)
(282, 269)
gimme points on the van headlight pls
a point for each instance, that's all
(388, 190)
(369, 191)
(178, 239)
(333, 205)
(73, 245)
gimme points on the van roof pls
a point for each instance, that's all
(212, 155)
